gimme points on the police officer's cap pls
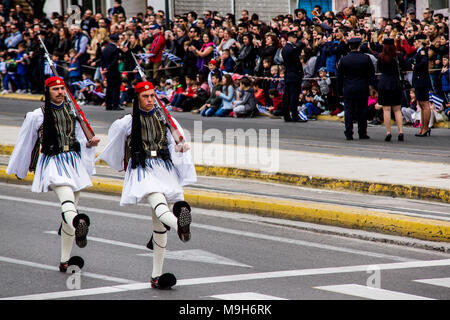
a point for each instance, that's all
(355, 41)
(114, 37)
(155, 26)
(420, 36)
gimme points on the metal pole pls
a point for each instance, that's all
(167, 14)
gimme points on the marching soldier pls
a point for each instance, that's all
(355, 70)
(143, 145)
(64, 165)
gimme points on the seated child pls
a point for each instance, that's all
(214, 101)
(246, 106)
(277, 103)
(259, 92)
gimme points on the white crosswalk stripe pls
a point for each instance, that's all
(370, 292)
(442, 282)
(245, 296)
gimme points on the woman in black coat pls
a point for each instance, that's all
(389, 91)
(422, 83)
(246, 60)
(64, 43)
(180, 38)
(267, 51)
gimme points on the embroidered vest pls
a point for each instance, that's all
(154, 139)
(64, 141)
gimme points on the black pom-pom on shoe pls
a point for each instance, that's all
(164, 282)
(73, 261)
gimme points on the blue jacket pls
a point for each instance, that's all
(21, 67)
(227, 100)
(77, 71)
(445, 82)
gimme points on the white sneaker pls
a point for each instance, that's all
(341, 114)
(326, 113)
(4, 92)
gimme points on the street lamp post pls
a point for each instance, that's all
(167, 14)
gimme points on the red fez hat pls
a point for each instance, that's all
(143, 86)
(54, 81)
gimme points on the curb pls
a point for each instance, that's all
(35, 97)
(20, 96)
(341, 216)
(404, 191)
(385, 189)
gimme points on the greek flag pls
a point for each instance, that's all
(99, 94)
(434, 99)
(85, 83)
(262, 109)
(144, 56)
(47, 69)
(171, 57)
(160, 93)
(302, 115)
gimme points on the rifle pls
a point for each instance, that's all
(162, 112)
(74, 107)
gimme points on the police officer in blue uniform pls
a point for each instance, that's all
(293, 77)
(110, 65)
(355, 70)
(421, 83)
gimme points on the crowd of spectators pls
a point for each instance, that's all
(217, 64)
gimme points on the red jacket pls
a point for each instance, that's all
(157, 48)
(189, 92)
(177, 90)
(408, 49)
(259, 95)
(277, 102)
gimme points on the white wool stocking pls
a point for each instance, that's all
(68, 202)
(159, 245)
(160, 214)
(161, 209)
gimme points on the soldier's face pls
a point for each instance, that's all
(147, 100)
(57, 94)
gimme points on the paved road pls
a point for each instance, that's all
(314, 136)
(230, 255)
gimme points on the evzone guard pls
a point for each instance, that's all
(52, 144)
(143, 144)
